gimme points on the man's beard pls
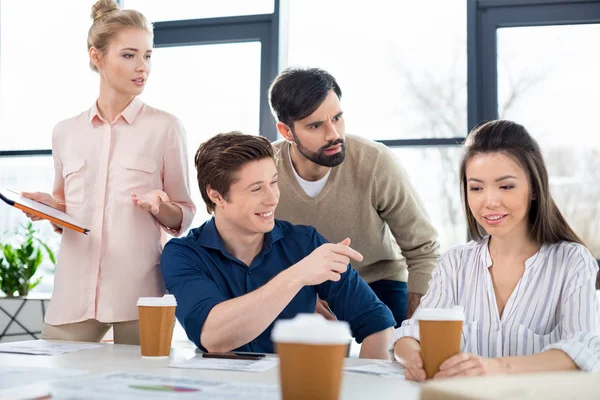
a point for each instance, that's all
(319, 157)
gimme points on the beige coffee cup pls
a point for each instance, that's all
(157, 320)
(311, 356)
(440, 331)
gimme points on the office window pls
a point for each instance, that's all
(402, 70)
(548, 81)
(401, 65)
(433, 172)
(44, 78)
(44, 73)
(212, 89)
(159, 10)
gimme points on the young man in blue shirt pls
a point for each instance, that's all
(239, 272)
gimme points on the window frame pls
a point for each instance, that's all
(484, 17)
(263, 28)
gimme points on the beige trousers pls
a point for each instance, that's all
(91, 330)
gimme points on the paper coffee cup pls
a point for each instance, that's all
(157, 320)
(440, 331)
(311, 356)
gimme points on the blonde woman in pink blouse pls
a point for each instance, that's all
(121, 170)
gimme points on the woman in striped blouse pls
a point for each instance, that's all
(526, 281)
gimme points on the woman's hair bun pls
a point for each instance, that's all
(103, 7)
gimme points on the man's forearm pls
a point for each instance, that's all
(376, 344)
(414, 299)
(238, 321)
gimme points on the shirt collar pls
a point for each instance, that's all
(128, 114)
(486, 258)
(210, 238)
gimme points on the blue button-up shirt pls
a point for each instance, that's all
(201, 273)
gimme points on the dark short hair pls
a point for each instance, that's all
(222, 156)
(547, 224)
(298, 92)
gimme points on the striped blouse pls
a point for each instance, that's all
(554, 305)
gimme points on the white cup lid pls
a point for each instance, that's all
(168, 300)
(311, 329)
(440, 314)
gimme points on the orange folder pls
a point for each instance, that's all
(41, 210)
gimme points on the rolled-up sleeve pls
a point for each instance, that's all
(353, 301)
(400, 206)
(439, 295)
(580, 317)
(58, 189)
(176, 182)
(196, 292)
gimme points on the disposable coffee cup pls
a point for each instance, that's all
(311, 356)
(440, 331)
(157, 320)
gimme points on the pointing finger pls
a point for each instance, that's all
(345, 242)
(348, 252)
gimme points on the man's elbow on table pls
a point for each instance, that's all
(376, 344)
(212, 341)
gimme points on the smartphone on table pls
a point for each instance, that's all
(235, 355)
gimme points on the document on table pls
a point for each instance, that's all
(125, 385)
(21, 376)
(45, 348)
(224, 364)
(382, 368)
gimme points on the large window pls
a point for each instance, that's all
(44, 69)
(535, 63)
(433, 172)
(44, 78)
(402, 67)
(208, 97)
(158, 10)
(400, 76)
(548, 81)
(212, 74)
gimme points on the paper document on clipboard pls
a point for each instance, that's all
(15, 199)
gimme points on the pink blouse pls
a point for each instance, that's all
(98, 165)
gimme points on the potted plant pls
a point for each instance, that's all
(21, 317)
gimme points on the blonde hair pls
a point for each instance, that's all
(108, 21)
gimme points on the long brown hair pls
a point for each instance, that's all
(545, 219)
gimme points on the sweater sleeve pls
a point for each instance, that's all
(398, 204)
(176, 177)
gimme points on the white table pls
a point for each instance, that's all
(127, 358)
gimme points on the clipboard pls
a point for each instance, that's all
(41, 210)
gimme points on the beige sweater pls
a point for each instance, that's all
(369, 199)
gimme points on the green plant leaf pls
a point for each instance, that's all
(48, 251)
(19, 262)
(35, 283)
